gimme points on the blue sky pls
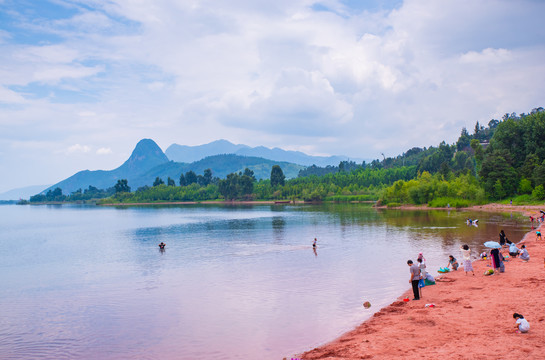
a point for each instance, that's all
(82, 81)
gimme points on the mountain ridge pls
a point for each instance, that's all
(147, 161)
(185, 153)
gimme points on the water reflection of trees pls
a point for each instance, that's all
(447, 227)
(278, 226)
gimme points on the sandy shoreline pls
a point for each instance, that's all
(472, 317)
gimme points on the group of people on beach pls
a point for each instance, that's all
(418, 271)
(539, 218)
(419, 275)
(466, 256)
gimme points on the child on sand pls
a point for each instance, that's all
(452, 261)
(422, 267)
(538, 235)
(524, 256)
(522, 324)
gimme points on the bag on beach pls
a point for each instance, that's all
(421, 283)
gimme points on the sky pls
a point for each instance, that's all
(82, 81)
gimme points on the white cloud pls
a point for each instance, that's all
(86, 113)
(57, 73)
(77, 148)
(10, 97)
(487, 56)
(47, 54)
(104, 151)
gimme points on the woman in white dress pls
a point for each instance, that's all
(466, 254)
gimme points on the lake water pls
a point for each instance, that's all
(234, 282)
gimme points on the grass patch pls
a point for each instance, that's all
(393, 204)
(351, 198)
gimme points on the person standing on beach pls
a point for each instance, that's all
(415, 278)
(502, 237)
(466, 255)
(422, 267)
(495, 257)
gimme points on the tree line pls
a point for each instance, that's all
(505, 159)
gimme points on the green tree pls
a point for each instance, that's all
(158, 181)
(246, 185)
(445, 170)
(479, 152)
(229, 187)
(277, 176)
(171, 182)
(249, 173)
(477, 130)
(183, 182)
(539, 192)
(190, 177)
(493, 123)
(122, 186)
(463, 140)
(531, 163)
(525, 186)
(499, 191)
(207, 177)
(497, 166)
(539, 174)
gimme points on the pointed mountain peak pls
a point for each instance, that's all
(146, 154)
(146, 146)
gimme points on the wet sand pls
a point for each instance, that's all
(472, 317)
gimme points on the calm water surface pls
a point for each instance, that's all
(235, 282)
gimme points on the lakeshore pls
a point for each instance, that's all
(472, 317)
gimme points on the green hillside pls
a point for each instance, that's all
(147, 162)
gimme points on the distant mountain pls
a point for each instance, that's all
(148, 161)
(22, 193)
(189, 154)
(221, 166)
(145, 156)
(184, 153)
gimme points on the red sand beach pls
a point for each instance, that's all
(472, 317)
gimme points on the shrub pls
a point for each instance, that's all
(538, 193)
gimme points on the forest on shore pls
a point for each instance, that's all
(502, 161)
